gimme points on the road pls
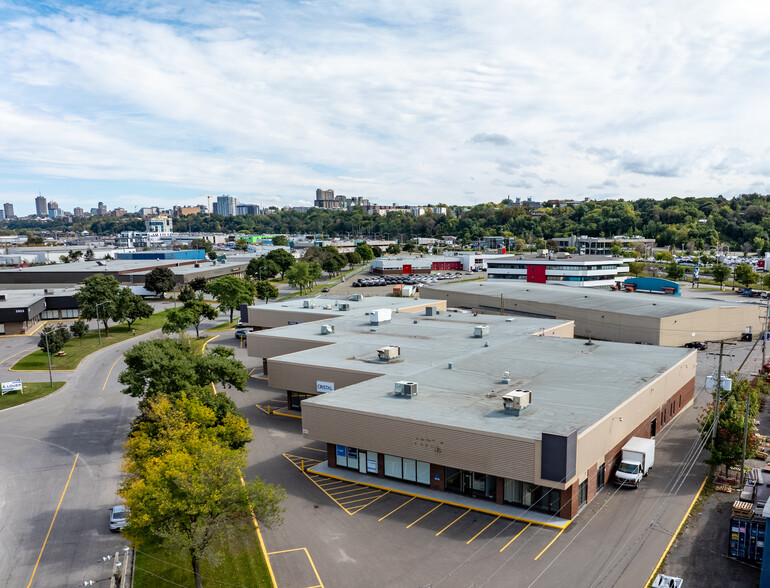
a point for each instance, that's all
(69, 440)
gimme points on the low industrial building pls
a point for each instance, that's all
(629, 317)
(506, 409)
(21, 310)
(585, 271)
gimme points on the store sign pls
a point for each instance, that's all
(323, 387)
(12, 387)
(371, 464)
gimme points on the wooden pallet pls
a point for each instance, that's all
(743, 509)
(725, 489)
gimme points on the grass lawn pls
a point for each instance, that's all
(198, 344)
(32, 390)
(241, 563)
(77, 350)
(223, 327)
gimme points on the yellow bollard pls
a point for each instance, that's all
(303, 465)
(268, 409)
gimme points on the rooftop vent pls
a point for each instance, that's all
(308, 304)
(404, 388)
(481, 331)
(506, 377)
(357, 297)
(516, 401)
(429, 311)
(328, 307)
(2, 297)
(389, 352)
(48, 290)
(327, 329)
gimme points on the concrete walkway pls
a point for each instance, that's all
(503, 510)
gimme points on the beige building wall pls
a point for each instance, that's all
(300, 378)
(711, 325)
(259, 345)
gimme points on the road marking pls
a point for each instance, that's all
(453, 522)
(261, 543)
(40, 326)
(353, 489)
(109, 372)
(425, 515)
(551, 543)
(482, 530)
(203, 347)
(14, 355)
(373, 501)
(304, 446)
(366, 496)
(310, 559)
(516, 537)
(56, 512)
(395, 509)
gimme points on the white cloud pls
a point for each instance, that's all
(385, 97)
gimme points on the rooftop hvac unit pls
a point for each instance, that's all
(429, 311)
(380, 316)
(308, 304)
(516, 401)
(328, 307)
(327, 329)
(344, 306)
(404, 388)
(389, 352)
(481, 330)
(357, 297)
(47, 291)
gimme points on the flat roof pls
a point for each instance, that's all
(27, 297)
(574, 384)
(331, 304)
(632, 303)
(555, 260)
(137, 266)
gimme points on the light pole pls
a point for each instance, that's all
(98, 325)
(48, 351)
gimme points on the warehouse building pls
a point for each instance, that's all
(21, 310)
(626, 317)
(583, 272)
(506, 409)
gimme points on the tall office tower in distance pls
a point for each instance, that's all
(41, 206)
(226, 205)
(78, 211)
(8, 209)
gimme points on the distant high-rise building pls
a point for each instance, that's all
(78, 211)
(8, 209)
(118, 212)
(40, 205)
(226, 205)
(2, 215)
(53, 209)
(242, 209)
(214, 208)
(324, 199)
(101, 209)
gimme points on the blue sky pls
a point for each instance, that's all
(155, 102)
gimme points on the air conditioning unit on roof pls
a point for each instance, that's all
(389, 352)
(404, 388)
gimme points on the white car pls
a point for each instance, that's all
(118, 517)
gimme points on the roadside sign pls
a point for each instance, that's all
(12, 387)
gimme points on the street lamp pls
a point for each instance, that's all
(98, 325)
(48, 351)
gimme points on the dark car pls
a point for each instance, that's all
(325, 289)
(241, 334)
(699, 345)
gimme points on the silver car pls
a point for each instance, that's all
(118, 517)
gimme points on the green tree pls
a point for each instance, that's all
(282, 258)
(333, 264)
(674, 271)
(186, 293)
(79, 329)
(377, 250)
(201, 244)
(365, 252)
(101, 290)
(56, 337)
(198, 310)
(636, 268)
(298, 275)
(241, 245)
(212, 255)
(352, 258)
(281, 240)
(408, 246)
(171, 366)
(178, 320)
(745, 275)
(160, 280)
(89, 256)
(393, 249)
(664, 256)
(184, 489)
(266, 290)
(230, 292)
(130, 307)
(198, 284)
(720, 273)
(261, 268)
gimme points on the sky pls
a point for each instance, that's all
(159, 102)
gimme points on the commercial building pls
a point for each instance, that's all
(415, 264)
(20, 310)
(506, 409)
(601, 245)
(226, 205)
(591, 272)
(635, 317)
(187, 254)
(8, 209)
(160, 225)
(40, 206)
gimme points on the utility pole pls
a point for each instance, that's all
(719, 389)
(745, 433)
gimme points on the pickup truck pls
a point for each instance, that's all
(638, 456)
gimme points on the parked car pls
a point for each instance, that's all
(241, 334)
(118, 517)
(699, 345)
(325, 289)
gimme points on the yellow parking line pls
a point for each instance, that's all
(367, 496)
(305, 447)
(258, 377)
(372, 502)
(262, 546)
(425, 515)
(14, 355)
(453, 522)
(310, 559)
(40, 326)
(551, 543)
(209, 340)
(332, 486)
(516, 537)
(353, 489)
(109, 372)
(284, 414)
(395, 509)
(482, 530)
(363, 491)
(56, 512)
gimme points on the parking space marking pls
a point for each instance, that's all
(453, 522)
(482, 530)
(425, 515)
(334, 489)
(314, 449)
(551, 543)
(395, 509)
(516, 537)
(310, 559)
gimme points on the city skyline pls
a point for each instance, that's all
(436, 102)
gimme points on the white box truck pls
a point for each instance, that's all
(638, 456)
